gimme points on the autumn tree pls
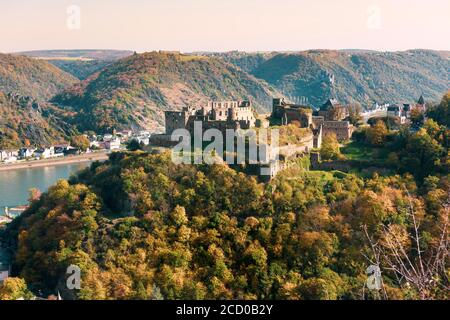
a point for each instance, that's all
(417, 117)
(376, 135)
(330, 149)
(354, 114)
(80, 142)
(141, 227)
(417, 262)
(14, 289)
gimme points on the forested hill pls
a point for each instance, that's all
(31, 77)
(351, 75)
(25, 121)
(26, 84)
(141, 227)
(134, 91)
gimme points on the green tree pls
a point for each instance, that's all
(422, 154)
(441, 112)
(134, 145)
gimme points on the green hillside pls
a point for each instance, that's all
(351, 75)
(79, 68)
(134, 91)
(244, 60)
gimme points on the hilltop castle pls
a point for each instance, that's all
(219, 115)
(328, 119)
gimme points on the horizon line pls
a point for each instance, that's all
(228, 51)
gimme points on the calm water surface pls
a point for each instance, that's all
(15, 184)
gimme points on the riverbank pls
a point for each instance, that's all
(87, 157)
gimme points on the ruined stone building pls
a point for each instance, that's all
(220, 115)
(332, 110)
(178, 119)
(342, 129)
(291, 113)
(318, 134)
(328, 119)
(331, 117)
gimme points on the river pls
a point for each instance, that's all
(15, 184)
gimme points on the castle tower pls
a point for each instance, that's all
(421, 100)
(277, 107)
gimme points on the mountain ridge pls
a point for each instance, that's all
(30, 77)
(26, 117)
(364, 77)
(134, 91)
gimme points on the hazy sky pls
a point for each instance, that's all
(222, 25)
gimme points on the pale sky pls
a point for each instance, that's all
(223, 25)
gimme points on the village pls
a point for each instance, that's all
(97, 143)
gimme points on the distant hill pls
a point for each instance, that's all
(26, 121)
(30, 77)
(78, 54)
(134, 91)
(79, 63)
(351, 75)
(246, 61)
(81, 69)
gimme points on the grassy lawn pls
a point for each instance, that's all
(360, 151)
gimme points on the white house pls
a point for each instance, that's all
(62, 148)
(8, 155)
(142, 139)
(26, 152)
(407, 110)
(144, 133)
(11, 160)
(44, 153)
(94, 144)
(394, 111)
(113, 144)
(399, 112)
(125, 133)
